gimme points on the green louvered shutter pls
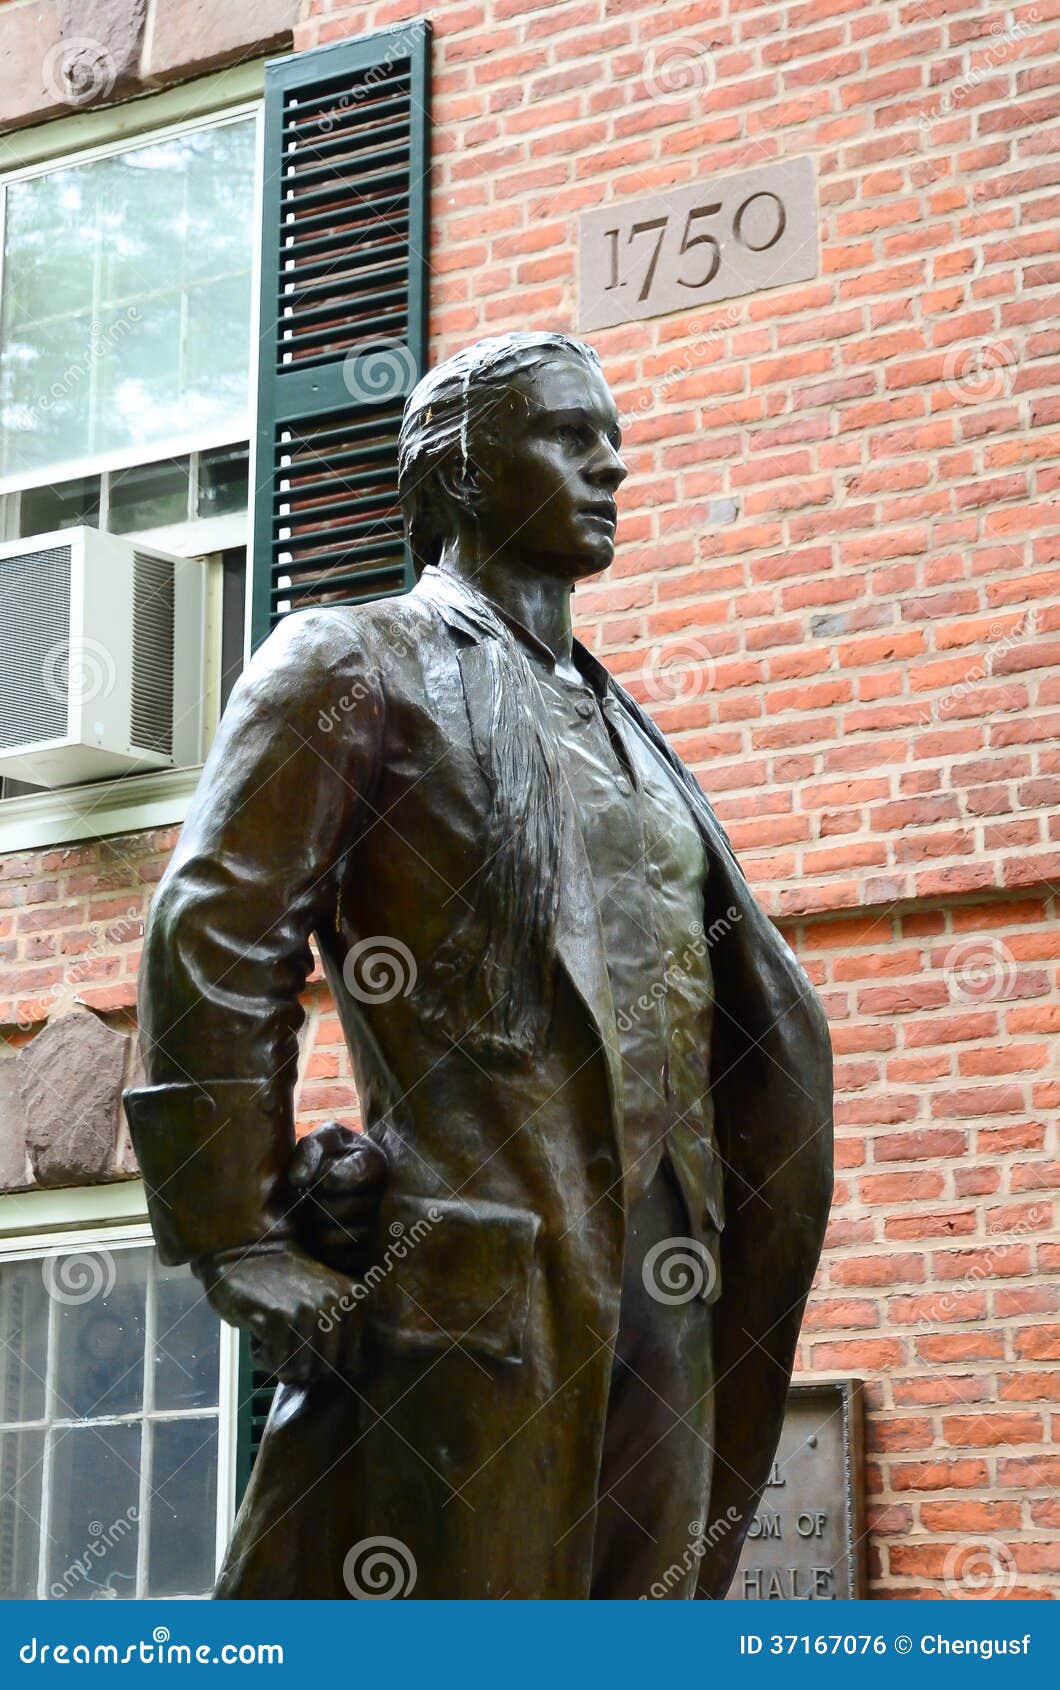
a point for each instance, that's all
(343, 318)
(255, 1393)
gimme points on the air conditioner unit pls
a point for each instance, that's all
(101, 655)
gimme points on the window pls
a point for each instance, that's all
(140, 498)
(126, 379)
(125, 321)
(115, 1424)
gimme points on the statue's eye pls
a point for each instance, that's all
(569, 434)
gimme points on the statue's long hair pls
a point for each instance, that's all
(501, 990)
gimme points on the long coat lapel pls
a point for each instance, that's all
(579, 936)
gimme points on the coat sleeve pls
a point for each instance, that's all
(771, 1067)
(226, 951)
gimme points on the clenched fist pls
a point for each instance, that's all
(338, 1178)
(294, 1296)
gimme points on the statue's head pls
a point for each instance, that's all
(513, 443)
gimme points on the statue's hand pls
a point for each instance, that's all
(302, 1320)
(338, 1178)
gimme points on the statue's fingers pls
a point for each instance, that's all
(362, 1169)
(317, 1150)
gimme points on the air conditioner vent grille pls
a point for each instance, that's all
(34, 647)
(152, 667)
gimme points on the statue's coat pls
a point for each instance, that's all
(346, 798)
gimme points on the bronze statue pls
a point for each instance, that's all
(536, 1326)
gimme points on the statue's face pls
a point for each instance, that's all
(554, 469)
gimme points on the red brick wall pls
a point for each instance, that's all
(941, 1278)
(837, 589)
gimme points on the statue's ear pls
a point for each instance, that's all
(465, 481)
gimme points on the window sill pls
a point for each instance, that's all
(23, 1214)
(131, 804)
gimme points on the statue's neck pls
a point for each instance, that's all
(540, 602)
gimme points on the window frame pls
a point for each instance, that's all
(136, 803)
(179, 445)
(37, 1224)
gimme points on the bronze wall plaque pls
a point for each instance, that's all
(718, 239)
(807, 1540)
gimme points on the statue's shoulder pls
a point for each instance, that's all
(311, 657)
(323, 633)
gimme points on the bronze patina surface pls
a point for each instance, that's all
(536, 1327)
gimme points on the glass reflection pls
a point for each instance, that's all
(126, 299)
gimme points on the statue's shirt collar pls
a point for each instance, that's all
(488, 618)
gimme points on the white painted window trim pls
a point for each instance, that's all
(78, 1207)
(37, 1224)
(130, 804)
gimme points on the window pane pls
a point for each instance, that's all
(138, 378)
(183, 1508)
(223, 481)
(148, 496)
(93, 1534)
(21, 1470)
(99, 1365)
(187, 1342)
(126, 299)
(70, 1490)
(23, 1341)
(42, 509)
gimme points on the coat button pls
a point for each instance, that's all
(622, 785)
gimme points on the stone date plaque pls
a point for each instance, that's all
(806, 1542)
(726, 236)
